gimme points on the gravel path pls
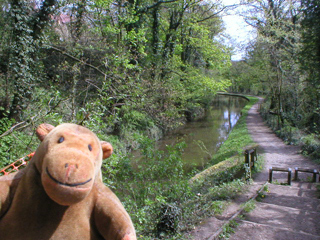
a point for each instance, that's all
(276, 152)
(287, 212)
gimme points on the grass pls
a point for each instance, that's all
(228, 229)
(249, 206)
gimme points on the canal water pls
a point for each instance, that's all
(204, 137)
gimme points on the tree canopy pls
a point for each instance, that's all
(99, 58)
(283, 61)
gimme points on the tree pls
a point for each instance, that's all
(26, 28)
(310, 62)
(278, 26)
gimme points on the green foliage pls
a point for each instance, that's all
(282, 64)
(154, 200)
(145, 188)
(136, 119)
(311, 146)
(262, 194)
(249, 206)
(154, 187)
(14, 146)
(228, 229)
(226, 191)
(209, 202)
(137, 68)
(6, 144)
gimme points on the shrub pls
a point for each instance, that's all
(311, 146)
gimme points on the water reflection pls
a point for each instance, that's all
(204, 137)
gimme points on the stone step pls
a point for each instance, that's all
(256, 231)
(293, 197)
(305, 185)
(298, 220)
(303, 203)
(296, 189)
(205, 229)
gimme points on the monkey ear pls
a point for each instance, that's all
(106, 149)
(43, 130)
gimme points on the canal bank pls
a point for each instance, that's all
(206, 135)
(219, 184)
(229, 159)
(159, 195)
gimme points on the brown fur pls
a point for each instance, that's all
(60, 194)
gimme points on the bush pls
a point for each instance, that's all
(152, 188)
(14, 146)
(311, 146)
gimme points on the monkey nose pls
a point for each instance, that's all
(69, 169)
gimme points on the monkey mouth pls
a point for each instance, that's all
(67, 184)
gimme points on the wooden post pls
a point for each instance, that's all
(250, 156)
(246, 157)
(253, 155)
(296, 173)
(289, 176)
(314, 178)
(270, 175)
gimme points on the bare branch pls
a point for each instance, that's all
(144, 10)
(213, 15)
(77, 59)
(83, 62)
(12, 129)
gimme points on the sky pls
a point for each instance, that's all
(237, 33)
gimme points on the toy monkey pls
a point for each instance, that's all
(60, 194)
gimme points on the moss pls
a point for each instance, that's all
(216, 169)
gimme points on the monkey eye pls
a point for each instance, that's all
(61, 139)
(90, 147)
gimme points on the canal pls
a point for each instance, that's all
(204, 137)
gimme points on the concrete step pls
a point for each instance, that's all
(256, 231)
(297, 220)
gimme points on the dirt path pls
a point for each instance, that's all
(287, 212)
(276, 152)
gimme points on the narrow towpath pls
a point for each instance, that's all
(276, 152)
(287, 212)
